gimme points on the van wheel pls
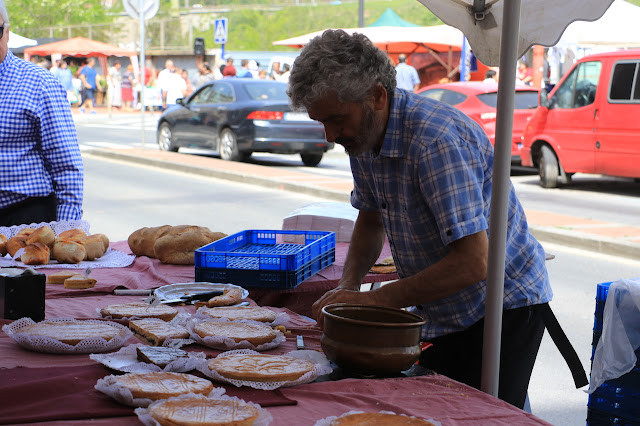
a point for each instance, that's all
(549, 168)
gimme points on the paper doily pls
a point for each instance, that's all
(321, 368)
(327, 421)
(58, 227)
(126, 361)
(264, 417)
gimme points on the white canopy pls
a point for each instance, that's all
(16, 41)
(618, 28)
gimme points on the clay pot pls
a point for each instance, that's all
(371, 339)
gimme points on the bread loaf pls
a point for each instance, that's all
(93, 246)
(105, 240)
(178, 246)
(35, 254)
(172, 244)
(16, 243)
(72, 235)
(141, 241)
(42, 235)
(68, 251)
(25, 231)
(3, 245)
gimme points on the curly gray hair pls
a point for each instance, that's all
(4, 15)
(348, 65)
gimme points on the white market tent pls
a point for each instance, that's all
(16, 41)
(618, 28)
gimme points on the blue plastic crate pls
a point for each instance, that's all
(619, 397)
(599, 418)
(261, 258)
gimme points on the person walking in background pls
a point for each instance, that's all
(244, 72)
(205, 74)
(63, 73)
(406, 75)
(490, 76)
(90, 84)
(41, 170)
(286, 72)
(128, 83)
(185, 76)
(524, 74)
(229, 70)
(165, 79)
(114, 81)
(275, 71)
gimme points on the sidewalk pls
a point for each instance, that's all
(602, 237)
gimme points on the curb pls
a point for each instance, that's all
(548, 234)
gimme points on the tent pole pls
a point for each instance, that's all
(500, 198)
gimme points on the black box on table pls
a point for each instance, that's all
(22, 294)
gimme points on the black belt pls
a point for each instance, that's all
(564, 346)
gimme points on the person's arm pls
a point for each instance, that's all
(465, 265)
(366, 244)
(61, 152)
(83, 79)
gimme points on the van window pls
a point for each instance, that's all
(579, 88)
(624, 83)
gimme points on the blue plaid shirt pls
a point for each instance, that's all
(39, 151)
(432, 184)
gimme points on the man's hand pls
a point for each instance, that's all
(341, 295)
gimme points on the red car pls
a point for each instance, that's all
(478, 100)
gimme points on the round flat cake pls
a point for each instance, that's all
(203, 411)
(256, 334)
(255, 313)
(163, 385)
(72, 332)
(140, 310)
(261, 368)
(378, 419)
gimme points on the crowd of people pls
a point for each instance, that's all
(121, 88)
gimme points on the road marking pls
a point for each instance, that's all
(110, 145)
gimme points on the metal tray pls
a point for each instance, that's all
(177, 290)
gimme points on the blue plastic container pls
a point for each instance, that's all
(265, 258)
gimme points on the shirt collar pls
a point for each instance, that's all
(392, 145)
(8, 60)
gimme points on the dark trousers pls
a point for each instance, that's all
(459, 355)
(31, 210)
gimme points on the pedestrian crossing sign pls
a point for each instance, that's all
(221, 30)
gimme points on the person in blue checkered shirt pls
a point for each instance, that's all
(422, 174)
(41, 170)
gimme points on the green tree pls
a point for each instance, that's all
(48, 13)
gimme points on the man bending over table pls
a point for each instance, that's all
(422, 175)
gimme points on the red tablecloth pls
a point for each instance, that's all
(147, 273)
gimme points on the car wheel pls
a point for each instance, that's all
(549, 168)
(311, 160)
(165, 138)
(229, 146)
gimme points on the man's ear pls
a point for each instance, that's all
(379, 97)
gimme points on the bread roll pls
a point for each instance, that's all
(93, 246)
(141, 242)
(35, 254)
(178, 246)
(42, 235)
(60, 277)
(72, 235)
(3, 245)
(16, 243)
(68, 251)
(25, 231)
(105, 240)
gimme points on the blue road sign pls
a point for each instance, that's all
(221, 30)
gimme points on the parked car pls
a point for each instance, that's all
(478, 100)
(589, 122)
(239, 116)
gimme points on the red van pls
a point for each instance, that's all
(589, 122)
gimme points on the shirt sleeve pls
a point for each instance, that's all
(452, 182)
(60, 150)
(362, 196)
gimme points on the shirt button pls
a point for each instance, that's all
(449, 232)
(384, 205)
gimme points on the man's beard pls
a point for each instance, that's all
(371, 128)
